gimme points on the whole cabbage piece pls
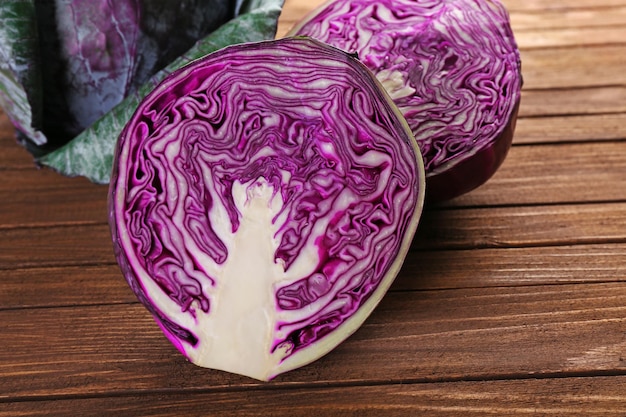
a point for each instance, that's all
(451, 66)
(262, 200)
(70, 61)
(73, 71)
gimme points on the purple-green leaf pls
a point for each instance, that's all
(72, 71)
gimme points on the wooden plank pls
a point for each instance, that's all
(550, 174)
(574, 396)
(608, 18)
(560, 129)
(565, 68)
(560, 5)
(48, 208)
(504, 267)
(55, 246)
(551, 225)
(571, 37)
(63, 286)
(48, 198)
(426, 336)
(573, 102)
(41, 179)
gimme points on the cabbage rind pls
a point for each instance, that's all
(262, 200)
(453, 69)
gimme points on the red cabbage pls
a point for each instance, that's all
(452, 68)
(98, 51)
(72, 71)
(262, 200)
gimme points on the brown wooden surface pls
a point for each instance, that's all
(512, 300)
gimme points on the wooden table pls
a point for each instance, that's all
(512, 299)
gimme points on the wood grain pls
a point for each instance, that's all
(560, 6)
(603, 16)
(563, 68)
(557, 173)
(62, 286)
(574, 102)
(557, 37)
(520, 226)
(560, 129)
(581, 396)
(23, 247)
(511, 301)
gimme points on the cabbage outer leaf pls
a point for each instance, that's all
(19, 67)
(90, 154)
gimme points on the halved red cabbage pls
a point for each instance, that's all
(262, 200)
(451, 66)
